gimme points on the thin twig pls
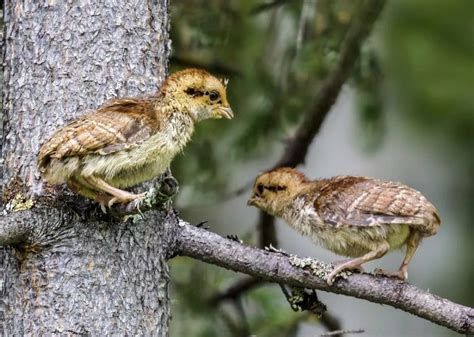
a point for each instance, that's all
(330, 322)
(245, 327)
(236, 290)
(341, 332)
(267, 5)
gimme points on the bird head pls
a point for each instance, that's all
(275, 189)
(198, 93)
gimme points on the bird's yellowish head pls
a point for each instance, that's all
(273, 190)
(198, 93)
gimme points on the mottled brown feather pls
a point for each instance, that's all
(118, 125)
(360, 217)
(361, 201)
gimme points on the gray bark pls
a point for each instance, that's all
(69, 269)
(309, 273)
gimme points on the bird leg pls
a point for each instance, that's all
(119, 195)
(402, 273)
(80, 188)
(360, 269)
(356, 263)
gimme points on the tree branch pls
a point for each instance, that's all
(310, 125)
(269, 266)
(236, 290)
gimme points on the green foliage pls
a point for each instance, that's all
(428, 56)
(275, 59)
(419, 62)
(195, 284)
(367, 81)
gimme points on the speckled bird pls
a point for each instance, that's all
(131, 140)
(358, 217)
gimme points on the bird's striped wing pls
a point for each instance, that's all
(119, 125)
(360, 201)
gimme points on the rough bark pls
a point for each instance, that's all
(306, 273)
(68, 268)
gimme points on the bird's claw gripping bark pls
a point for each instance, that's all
(342, 266)
(400, 274)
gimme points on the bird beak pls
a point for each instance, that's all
(252, 202)
(225, 112)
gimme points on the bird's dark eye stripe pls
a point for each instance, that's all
(271, 188)
(275, 188)
(193, 92)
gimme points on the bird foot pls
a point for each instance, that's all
(358, 269)
(340, 267)
(332, 275)
(400, 274)
(125, 199)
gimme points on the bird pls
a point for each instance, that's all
(353, 216)
(130, 140)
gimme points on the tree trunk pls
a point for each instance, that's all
(68, 268)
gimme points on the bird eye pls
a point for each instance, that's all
(214, 95)
(260, 188)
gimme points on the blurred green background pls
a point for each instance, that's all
(406, 114)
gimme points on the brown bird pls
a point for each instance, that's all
(359, 217)
(131, 140)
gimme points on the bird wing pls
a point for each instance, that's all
(118, 125)
(361, 201)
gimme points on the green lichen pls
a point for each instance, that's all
(134, 218)
(296, 298)
(19, 203)
(316, 267)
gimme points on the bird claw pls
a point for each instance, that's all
(400, 274)
(134, 199)
(102, 207)
(330, 278)
(340, 267)
(111, 202)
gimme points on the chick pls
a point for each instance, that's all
(131, 140)
(358, 217)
